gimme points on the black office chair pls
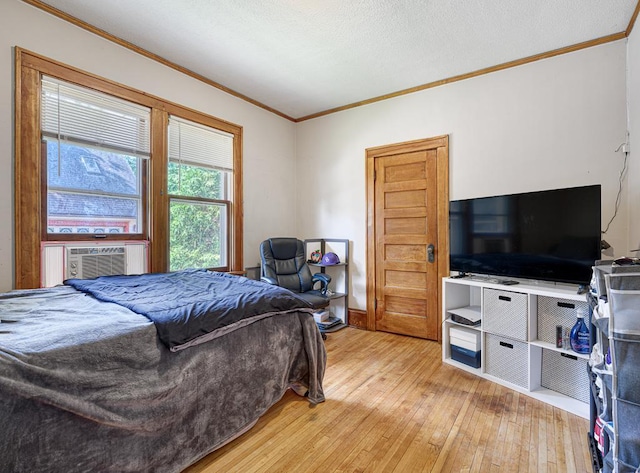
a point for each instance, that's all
(284, 264)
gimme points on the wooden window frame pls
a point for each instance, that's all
(29, 176)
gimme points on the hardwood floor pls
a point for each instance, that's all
(392, 406)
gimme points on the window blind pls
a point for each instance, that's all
(84, 116)
(199, 145)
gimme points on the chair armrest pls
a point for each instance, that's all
(269, 280)
(323, 279)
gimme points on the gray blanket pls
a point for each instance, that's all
(87, 386)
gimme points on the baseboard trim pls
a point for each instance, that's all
(357, 318)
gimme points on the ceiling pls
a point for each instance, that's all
(301, 58)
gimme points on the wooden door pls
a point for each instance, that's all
(407, 202)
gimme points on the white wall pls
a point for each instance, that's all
(633, 176)
(549, 124)
(553, 123)
(269, 142)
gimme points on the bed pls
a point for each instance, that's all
(92, 385)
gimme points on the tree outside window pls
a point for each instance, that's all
(199, 172)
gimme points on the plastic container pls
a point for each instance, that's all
(465, 338)
(468, 357)
(580, 334)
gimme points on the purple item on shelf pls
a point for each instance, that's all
(330, 259)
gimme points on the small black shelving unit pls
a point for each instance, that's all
(339, 285)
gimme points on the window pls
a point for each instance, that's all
(200, 169)
(93, 161)
(95, 146)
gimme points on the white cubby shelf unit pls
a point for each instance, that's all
(517, 337)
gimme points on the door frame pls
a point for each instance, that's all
(441, 143)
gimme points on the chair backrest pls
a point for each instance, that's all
(284, 260)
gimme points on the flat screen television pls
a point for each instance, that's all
(551, 235)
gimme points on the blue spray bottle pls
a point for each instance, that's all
(580, 334)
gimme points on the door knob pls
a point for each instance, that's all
(431, 257)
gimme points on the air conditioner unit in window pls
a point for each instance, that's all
(83, 260)
(90, 262)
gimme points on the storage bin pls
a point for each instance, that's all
(507, 359)
(565, 373)
(553, 311)
(505, 313)
(628, 432)
(465, 338)
(468, 357)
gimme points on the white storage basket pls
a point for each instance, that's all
(566, 374)
(507, 359)
(553, 311)
(505, 313)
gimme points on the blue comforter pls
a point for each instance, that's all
(192, 306)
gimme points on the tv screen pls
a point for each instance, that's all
(551, 235)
